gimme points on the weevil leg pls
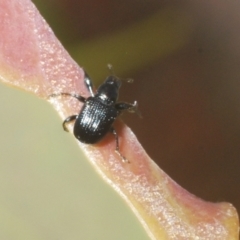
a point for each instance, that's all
(133, 108)
(67, 120)
(78, 97)
(117, 145)
(88, 83)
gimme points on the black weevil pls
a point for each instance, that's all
(99, 112)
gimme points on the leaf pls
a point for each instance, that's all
(32, 59)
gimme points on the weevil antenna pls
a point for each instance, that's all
(111, 70)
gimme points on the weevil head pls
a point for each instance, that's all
(108, 91)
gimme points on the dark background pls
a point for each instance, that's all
(187, 89)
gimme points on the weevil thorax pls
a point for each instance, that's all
(108, 91)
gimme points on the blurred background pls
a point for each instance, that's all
(184, 58)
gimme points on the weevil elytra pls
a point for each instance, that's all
(99, 112)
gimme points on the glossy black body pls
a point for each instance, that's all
(94, 121)
(99, 112)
